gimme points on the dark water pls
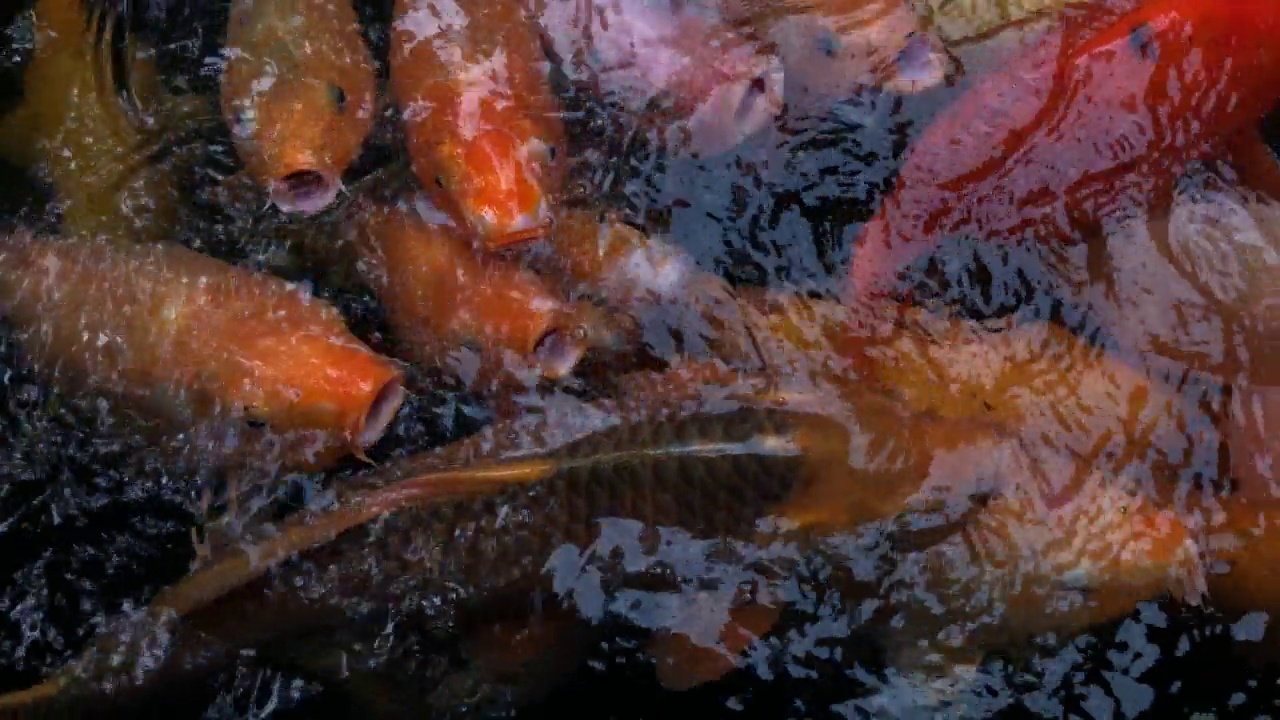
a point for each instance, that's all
(94, 520)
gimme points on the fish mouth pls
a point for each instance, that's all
(735, 111)
(558, 353)
(386, 403)
(524, 228)
(920, 65)
(305, 192)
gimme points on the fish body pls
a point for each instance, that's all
(446, 541)
(481, 124)
(184, 338)
(1099, 118)
(442, 298)
(1018, 569)
(724, 86)
(298, 94)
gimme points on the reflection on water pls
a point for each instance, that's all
(537, 356)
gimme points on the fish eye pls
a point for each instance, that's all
(581, 332)
(339, 97)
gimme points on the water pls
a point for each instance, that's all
(96, 517)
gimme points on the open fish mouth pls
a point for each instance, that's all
(735, 111)
(382, 411)
(920, 65)
(558, 354)
(305, 192)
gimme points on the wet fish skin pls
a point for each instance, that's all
(188, 340)
(442, 297)
(1083, 125)
(481, 125)
(648, 277)
(298, 92)
(441, 541)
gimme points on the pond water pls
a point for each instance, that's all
(745, 358)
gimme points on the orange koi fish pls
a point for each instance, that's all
(441, 298)
(298, 95)
(1100, 118)
(480, 121)
(185, 338)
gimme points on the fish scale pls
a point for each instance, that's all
(487, 543)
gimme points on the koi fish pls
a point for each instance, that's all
(72, 131)
(490, 527)
(1017, 570)
(187, 339)
(1100, 118)
(298, 95)
(723, 86)
(480, 121)
(441, 297)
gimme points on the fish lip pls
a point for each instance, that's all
(526, 228)
(380, 413)
(305, 191)
(919, 66)
(558, 353)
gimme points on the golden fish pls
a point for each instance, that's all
(72, 129)
(187, 339)
(442, 298)
(298, 94)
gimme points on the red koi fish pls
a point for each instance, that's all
(1098, 120)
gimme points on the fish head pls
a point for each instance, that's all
(499, 186)
(297, 132)
(872, 47)
(583, 328)
(310, 381)
(747, 101)
(1115, 544)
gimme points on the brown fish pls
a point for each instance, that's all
(298, 94)
(190, 340)
(466, 533)
(448, 305)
